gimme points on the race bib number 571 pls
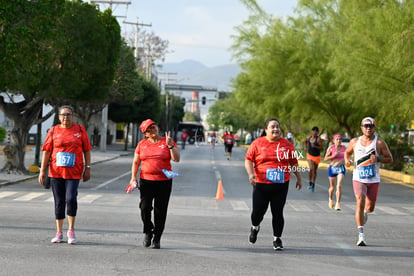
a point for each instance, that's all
(275, 175)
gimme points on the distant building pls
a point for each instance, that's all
(198, 99)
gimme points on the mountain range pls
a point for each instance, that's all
(192, 72)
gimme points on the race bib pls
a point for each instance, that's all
(229, 141)
(65, 159)
(275, 175)
(366, 171)
(337, 169)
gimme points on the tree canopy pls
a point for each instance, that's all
(334, 63)
(53, 51)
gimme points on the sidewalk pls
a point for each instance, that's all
(113, 151)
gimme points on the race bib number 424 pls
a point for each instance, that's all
(65, 159)
(275, 175)
(366, 171)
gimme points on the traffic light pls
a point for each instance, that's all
(203, 100)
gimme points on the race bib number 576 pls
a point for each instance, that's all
(275, 175)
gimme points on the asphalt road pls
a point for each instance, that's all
(204, 236)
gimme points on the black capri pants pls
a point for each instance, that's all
(158, 192)
(65, 193)
(275, 194)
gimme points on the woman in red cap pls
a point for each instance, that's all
(154, 155)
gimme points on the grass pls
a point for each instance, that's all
(409, 171)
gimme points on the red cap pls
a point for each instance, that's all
(368, 120)
(145, 124)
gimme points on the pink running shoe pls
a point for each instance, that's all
(71, 237)
(58, 238)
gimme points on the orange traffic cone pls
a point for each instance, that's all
(219, 194)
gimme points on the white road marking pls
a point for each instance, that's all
(88, 198)
(110, 181)
(29, 196)
(6, 194)
(239, 205)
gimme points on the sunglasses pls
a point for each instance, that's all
(368, 126)
(150, 128)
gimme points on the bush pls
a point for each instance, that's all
(3, 133)
(399, 147)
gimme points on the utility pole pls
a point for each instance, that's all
(137, 24)
(111, 2)
(167, 105)
(167, 79)
(104, 112)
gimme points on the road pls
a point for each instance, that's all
(204, 236)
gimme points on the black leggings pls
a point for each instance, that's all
(275, 194)
(159, 192)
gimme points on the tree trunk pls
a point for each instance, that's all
(126, 138)
(24, 115)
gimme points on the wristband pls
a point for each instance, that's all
(171, 147)
(379, 158)
(88, 166)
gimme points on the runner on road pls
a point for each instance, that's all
(336, 170)
(368, 151)
(269, 162)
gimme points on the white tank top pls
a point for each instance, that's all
(365, 171)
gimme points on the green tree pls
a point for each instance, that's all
(28, 30)
(88, 60)
(44, 59)
(332, 65)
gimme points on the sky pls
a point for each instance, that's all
(196, 29)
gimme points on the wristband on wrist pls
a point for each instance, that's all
(171, 147)
(88, 166)
(379, 158)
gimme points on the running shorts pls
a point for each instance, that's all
(370, 190)
(315, 159)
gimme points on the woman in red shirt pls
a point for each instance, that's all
(154, 155)
(269, 161)
(66, 146)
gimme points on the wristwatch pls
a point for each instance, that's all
(88, 166)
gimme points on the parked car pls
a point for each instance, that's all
(345, 141)
(409, 161)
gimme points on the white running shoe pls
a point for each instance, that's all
(361, 240)
(71, 237)
(58, 238)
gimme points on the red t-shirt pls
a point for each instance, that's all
(271, 155)
(63, 142)
(154, 158)
(184, 136)
(228, 139)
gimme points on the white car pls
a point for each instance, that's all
(345, 141)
